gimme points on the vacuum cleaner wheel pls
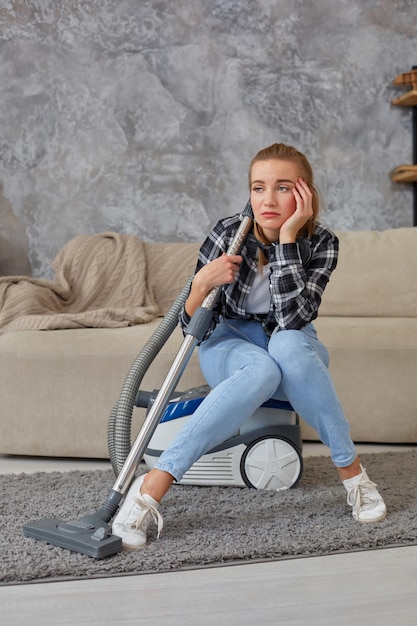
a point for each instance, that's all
(271, 463)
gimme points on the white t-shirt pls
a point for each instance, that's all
(259, 297)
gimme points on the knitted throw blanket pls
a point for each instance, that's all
(100, 282)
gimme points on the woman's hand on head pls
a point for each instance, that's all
(303, 212)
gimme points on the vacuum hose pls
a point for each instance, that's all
(119, 430)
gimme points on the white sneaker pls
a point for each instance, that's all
(367, 504)
(134, 516)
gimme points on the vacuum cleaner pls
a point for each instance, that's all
(264, 454)
(249, 460)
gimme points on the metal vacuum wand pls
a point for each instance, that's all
(194, 333)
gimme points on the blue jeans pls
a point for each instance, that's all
(244, 368)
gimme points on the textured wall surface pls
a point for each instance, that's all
(141, 116)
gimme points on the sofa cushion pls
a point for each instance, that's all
(58, 387)
(373, 275)
(169, 265)
(373, 364)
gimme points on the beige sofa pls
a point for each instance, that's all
(58, 387)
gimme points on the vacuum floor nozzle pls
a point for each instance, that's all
(89, 535)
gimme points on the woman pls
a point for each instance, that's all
(262, 342)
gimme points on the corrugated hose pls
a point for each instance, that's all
(119, 429)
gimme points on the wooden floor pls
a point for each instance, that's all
(373, 587)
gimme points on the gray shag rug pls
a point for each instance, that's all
(208, 526)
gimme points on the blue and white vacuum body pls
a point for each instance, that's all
(265, 453)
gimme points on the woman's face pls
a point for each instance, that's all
(271, 194)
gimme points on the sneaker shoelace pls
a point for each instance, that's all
(361, 494)
(140, 518)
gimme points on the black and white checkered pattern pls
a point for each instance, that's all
(296, 289)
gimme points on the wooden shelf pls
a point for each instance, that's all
(408, 99)
(406, 78)
(408, 173)
(405, 174)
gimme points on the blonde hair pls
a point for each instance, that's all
(287, 153)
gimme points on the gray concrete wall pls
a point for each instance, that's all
(142, 116)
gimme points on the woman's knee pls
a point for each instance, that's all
(297, 347)
(264, 372)
(292, 352)
(287, 343)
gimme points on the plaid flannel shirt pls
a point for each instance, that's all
(296, 290)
